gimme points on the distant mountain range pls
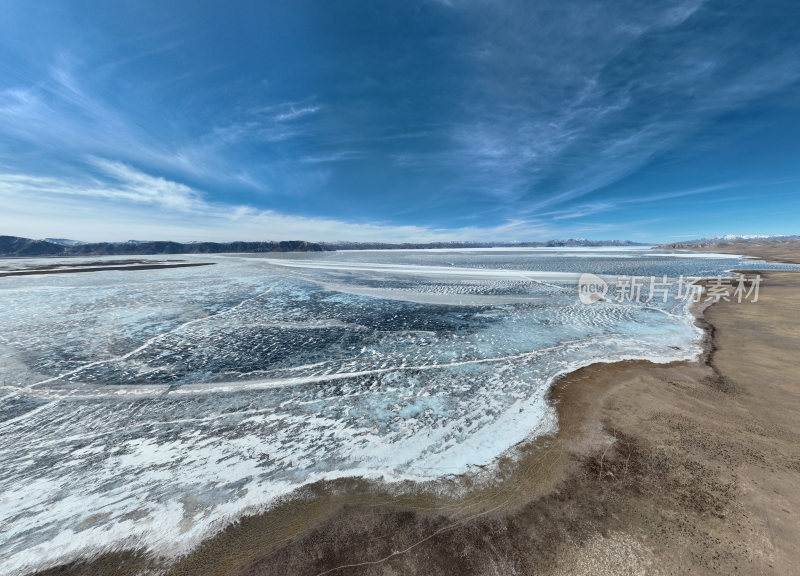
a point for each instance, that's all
(728, 239)
(14, 246)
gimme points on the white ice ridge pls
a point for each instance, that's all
(513, 249)
(462, 272)
(241, 386)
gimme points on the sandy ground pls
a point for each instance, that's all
(772, 250)
(656, 469)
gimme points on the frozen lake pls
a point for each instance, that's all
(148, 407)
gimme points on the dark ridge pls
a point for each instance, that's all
(728, 241)
(13, 246)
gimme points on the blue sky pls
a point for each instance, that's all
(399, 121)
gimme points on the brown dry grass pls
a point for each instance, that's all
(772, 250)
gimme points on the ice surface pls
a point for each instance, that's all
(148, 408)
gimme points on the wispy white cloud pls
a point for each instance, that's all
(567, 122)
(126, 184)
(123, 202)
(62, 113)
(591, 208)
(522, 113)
(340, 156)
(137, 186)
(295, 113)
(583, 210)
